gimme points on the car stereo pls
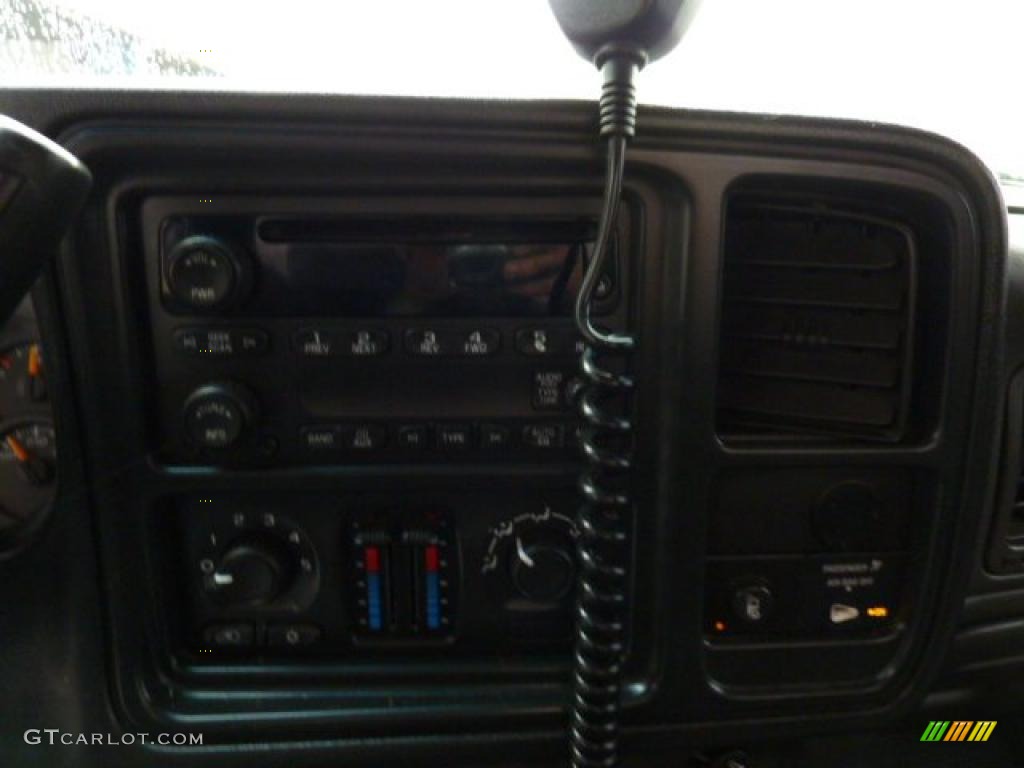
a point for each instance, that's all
(328, 333)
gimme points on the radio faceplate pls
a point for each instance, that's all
(335, 331)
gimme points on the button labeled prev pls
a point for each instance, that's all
(313, 342)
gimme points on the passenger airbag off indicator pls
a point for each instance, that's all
(859, 592)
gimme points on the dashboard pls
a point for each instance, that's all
(292, 448)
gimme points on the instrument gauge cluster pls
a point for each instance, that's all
(28, 444)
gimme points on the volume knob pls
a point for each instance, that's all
(218, 415)
(205, 273)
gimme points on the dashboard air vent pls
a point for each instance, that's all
(817, 321)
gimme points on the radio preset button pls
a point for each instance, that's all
(368, 342)
(481, 342)
(536, 342)
(454, 437)
(313, 342)
(412, 437)
(426, 342)
(547, 342)
(544, 436)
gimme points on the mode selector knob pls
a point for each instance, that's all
(218, 415)
(251, 572)
(205, 273)
(543, 571)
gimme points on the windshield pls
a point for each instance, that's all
(945, 66)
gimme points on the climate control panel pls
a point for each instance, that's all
(327, 574)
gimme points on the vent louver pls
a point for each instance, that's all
(817, 321)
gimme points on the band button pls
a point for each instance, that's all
(320, 439)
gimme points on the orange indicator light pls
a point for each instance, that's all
(35, 362)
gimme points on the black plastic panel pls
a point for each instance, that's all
(682, 168)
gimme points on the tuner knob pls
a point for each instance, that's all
(251, 572)
(542, 572)
(204, 273)
(217, 415)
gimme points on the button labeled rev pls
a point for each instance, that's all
(426, 342)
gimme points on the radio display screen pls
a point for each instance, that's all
(408, 267)
(421, 280)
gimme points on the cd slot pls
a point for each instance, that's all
(417, 229)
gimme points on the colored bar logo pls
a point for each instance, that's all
(958, 730)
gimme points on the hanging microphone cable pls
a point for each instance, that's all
(620, 37)
(603, 518)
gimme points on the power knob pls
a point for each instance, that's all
(205, 273)
(251, 572)
(542, 572)
(218, 415)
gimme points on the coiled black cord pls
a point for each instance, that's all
(604, 517)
